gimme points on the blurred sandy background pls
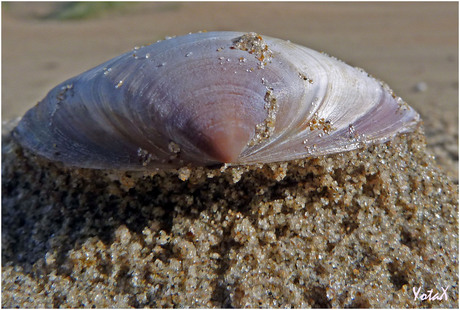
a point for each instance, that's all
(411, 46)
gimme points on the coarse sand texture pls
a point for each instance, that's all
(356, 229)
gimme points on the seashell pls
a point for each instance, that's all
(211, 98)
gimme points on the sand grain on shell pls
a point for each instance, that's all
(358, 229)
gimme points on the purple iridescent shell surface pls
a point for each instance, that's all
(210, 98)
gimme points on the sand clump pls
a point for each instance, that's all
(357, 229)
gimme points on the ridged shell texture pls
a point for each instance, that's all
(212, 98)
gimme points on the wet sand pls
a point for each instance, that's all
(356, 229)
(359, 229)
(403, 44)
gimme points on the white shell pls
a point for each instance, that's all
(210, 98)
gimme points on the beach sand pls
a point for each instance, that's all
(413, 47)
(359, 229)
